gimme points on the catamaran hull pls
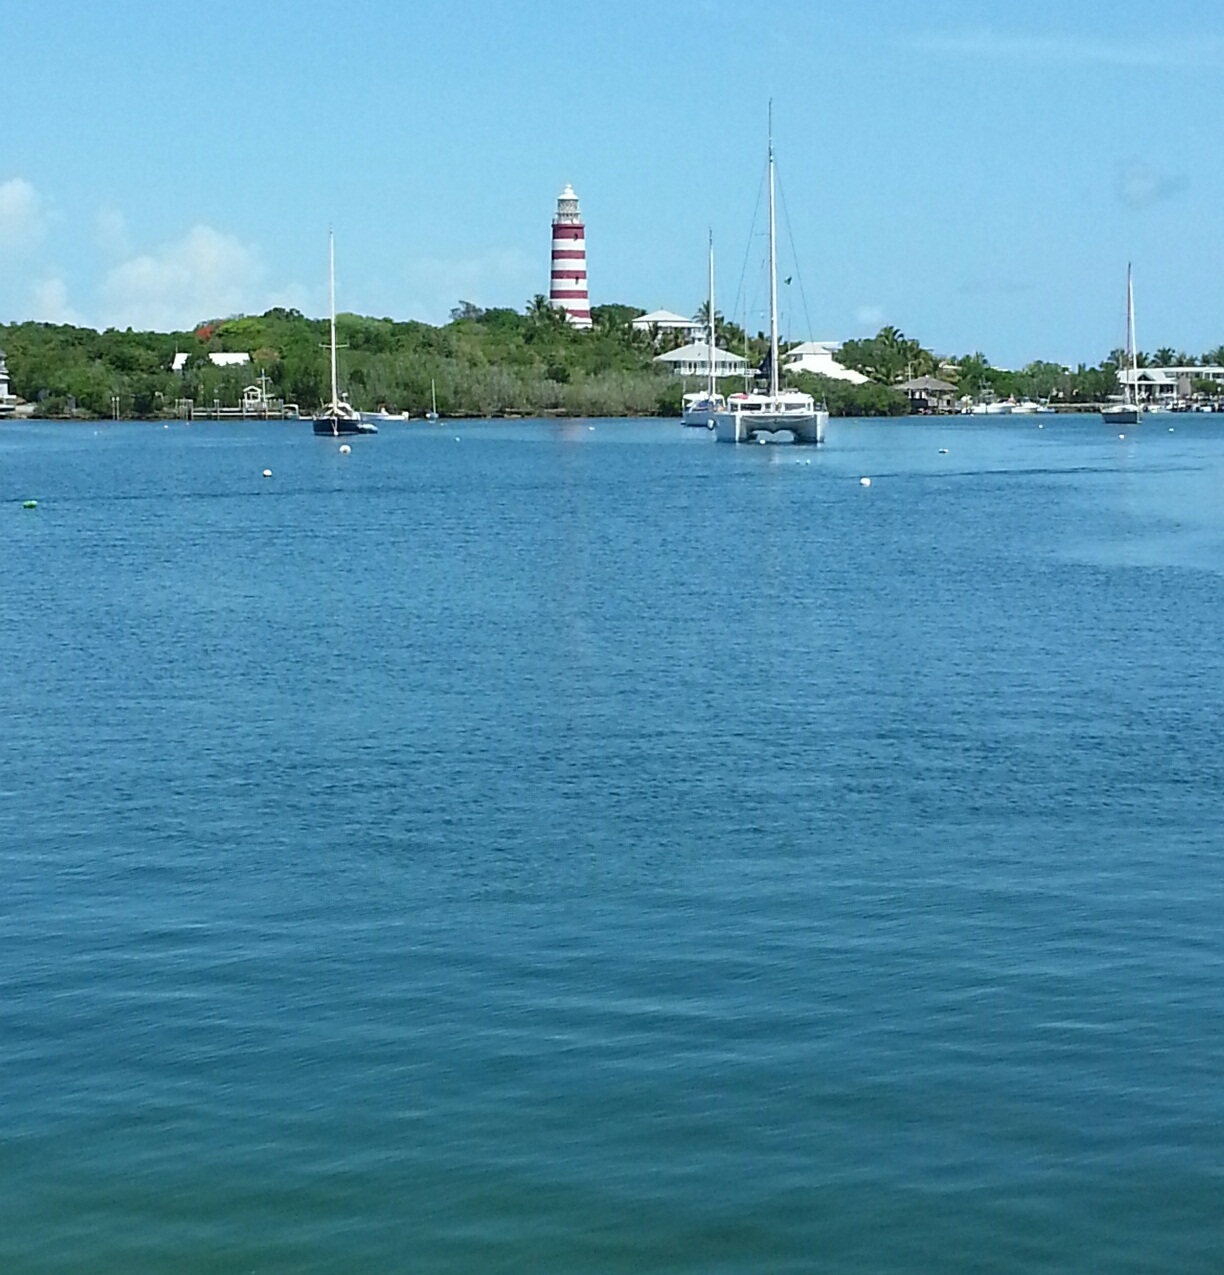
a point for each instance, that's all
(743, 427)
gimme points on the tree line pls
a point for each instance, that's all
(483, 362)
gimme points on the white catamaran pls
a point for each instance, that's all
(699, 408)
(749, 414)
(339, 416)
(1127, 412)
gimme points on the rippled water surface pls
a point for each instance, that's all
(531, 847)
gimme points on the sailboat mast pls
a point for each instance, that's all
(331, 245)
(710, 316)
(1133, 388)
(773, 273)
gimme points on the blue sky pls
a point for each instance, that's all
(976, 174)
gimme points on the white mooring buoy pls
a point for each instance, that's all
(943, 451)
(864, 482)
(1121, 435)
(345, 449)
(267, 473)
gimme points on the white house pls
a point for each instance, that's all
(8, 402)
(1163, 384)
(222, 359)
(694, 360)
(667, 321)
(817, 357)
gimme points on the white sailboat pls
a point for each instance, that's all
(1128, 411)
(699, 408)
(432, 414)
(339, 416)
(752, 413)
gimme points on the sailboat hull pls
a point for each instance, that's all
(1124, 415)
(699, 410)
(334, 426)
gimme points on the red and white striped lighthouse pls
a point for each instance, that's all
(568, 286)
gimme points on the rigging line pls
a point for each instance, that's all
(739, 292)
(790, 234)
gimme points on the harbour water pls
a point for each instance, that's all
(536, 847)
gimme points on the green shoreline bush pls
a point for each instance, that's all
(494, 362)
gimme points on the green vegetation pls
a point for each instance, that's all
(484, 363)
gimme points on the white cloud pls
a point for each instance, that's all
(498, 277)
(1073, 50)
(111, 232)
(49, 303)
(869, 316)
(23, 216)
(204, 275)
(1139, 186)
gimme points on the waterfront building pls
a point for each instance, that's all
(929, 394)
(819, 358)
(568, 284)
(694, 360)
(8, 403)
(1168, 384)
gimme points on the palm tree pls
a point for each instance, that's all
(1166, 356)
(539, 307)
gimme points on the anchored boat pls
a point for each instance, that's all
(749, 414)
(698, 409)
(1127, 412)
(339, 416)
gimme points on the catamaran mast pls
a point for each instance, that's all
(331, 245)
(773, 274)
(713, 387)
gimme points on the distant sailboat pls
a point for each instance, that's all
(432, 414)
(699, 408)
(339, 416)
(1128, 411)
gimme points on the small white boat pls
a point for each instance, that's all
(432, 414)
(699, 409)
